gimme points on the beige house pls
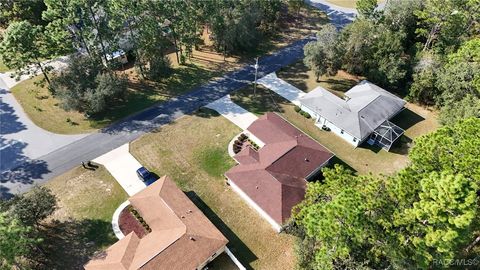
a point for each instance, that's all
(181, 236)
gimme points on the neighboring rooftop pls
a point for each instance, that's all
(365, 107)
(181, 238)
(274, 177)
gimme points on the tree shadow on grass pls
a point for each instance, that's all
(236, 245)
(262, 102)
(340, 85)
(70, 244)
(206, 113)
(295, 74)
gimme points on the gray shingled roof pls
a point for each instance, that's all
(365, 108)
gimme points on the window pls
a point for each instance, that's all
(341, 132)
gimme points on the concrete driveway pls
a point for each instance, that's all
(236, 114)
(20, 139)
(281, 87)
(123, 167)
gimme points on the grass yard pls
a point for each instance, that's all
(193, 151)
(304, 79)
(44, 110)
(364, 159)
(348, 3)
(82, 224)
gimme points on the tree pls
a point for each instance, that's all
(452, 149)
(461, 73)
(423, 88)
(20, 10)
(24, 45)
(85, 87)
(341, 221)
(440, 222)
(15, 242)
(374, 51)
(443, 24)
(399, 15)
(33, 207)
(321, 55)
(366, 8)
(468, 106)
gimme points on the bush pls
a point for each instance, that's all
(297, 109)
(305, 114)
(85, 87)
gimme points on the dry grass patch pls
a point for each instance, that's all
(44, 110)
(181, 150)
(364, 159)
(82, 223)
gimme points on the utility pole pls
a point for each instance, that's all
(256, 72)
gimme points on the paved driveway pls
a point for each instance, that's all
(281, 87)
(236, 114)
(123, 166)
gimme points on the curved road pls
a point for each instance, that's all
(39, 170)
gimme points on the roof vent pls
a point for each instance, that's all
(183, 216)
(256, 187)
(191, 238)
(189, 211)
(307, 160)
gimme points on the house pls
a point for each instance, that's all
(273, 179)
(181, 236)
(363, 113)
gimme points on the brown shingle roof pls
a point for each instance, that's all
(181, 238)
(274, 177)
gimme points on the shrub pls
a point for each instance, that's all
(297, 109)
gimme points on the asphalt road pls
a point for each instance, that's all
(40, 170)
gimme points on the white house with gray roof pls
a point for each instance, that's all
(363, 113)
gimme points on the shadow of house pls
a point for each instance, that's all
(407, 119)
(235, 244)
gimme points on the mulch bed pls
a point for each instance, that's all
(128, 223)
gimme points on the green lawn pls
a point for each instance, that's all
(193, 151)
(364, 159)
(82, 224)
